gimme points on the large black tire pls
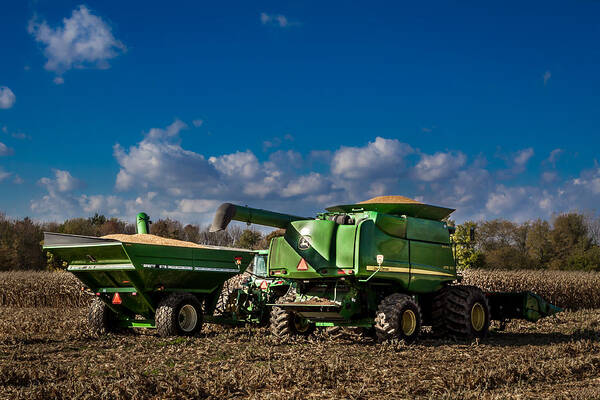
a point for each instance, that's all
(461, 312)
(101, 319)
(287, 323)
(179, 314)
(398, 317)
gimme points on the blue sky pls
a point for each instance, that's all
(119, 107)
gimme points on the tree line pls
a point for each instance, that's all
(21, 239)
(568, 241)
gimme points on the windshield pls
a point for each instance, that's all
(260, 265)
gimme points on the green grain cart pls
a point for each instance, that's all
(172, 287)
(386, 265)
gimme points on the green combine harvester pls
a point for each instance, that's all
(143, 281)
(386, 265)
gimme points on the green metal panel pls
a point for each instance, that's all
(319, 235)
(344, 246)
(432, 265)
(392, 225)
(427, 230)
(373, 241)
(283, 257)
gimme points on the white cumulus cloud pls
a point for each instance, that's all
(439, 165)
(276, 20)
(83, 40)
(5, 150)
(382, 157)
(4, 174)
(7, 97)
(63, 181)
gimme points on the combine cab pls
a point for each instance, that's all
(387, 263)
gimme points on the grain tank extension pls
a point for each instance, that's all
(386, 265)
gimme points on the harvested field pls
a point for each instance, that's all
(46, 353)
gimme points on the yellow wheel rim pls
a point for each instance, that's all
(477, 317)
(409, 322)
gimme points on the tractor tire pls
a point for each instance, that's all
(398, 317)
(288, 323)
(179, 314)
(100, 318)
(461, 312)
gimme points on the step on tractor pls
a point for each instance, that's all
(144, 281)
(386, 265)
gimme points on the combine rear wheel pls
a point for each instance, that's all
(398, 317)
(101, 319)
(179, 314)
(284, 322)
(461, 312)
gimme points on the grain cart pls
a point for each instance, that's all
(145, 281)
(386, 264)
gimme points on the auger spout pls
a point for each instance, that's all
(228, 212)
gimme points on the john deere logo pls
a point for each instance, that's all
(303, 243)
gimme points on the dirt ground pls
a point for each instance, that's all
(46, 353)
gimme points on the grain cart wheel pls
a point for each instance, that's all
(179, 314)
(101, 319)
(461, 312)
(398, 317)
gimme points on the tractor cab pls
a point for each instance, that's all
(259, 265)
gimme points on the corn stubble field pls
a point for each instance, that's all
(46, 352)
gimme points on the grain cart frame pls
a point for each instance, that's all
(172, 288)
(387, 263)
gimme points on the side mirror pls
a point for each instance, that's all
(472, 234)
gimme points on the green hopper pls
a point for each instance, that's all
(149, 285)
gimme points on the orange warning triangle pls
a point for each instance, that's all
(264, 285)
(302, 265)
(116, 299)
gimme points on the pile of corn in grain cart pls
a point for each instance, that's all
(145, 281)
(385, 265)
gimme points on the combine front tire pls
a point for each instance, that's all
(179, 314)
(462, 312)
(100, 318)
(284, 322)
(398, 317)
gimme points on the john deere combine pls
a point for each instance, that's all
(386, 263)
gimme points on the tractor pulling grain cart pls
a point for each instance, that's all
(144, 281)
(386, 265)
